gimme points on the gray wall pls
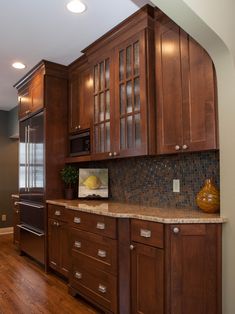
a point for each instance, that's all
(8, 163)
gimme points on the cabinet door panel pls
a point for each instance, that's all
(64, 248)
(24, 100)
(147, 279)
(169, 93)
(200, 116)
(131, 97)
(53, 244)
(194, 264)
(37, 92)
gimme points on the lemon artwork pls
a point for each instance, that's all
(92, 182)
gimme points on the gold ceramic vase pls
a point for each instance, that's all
(208, 198)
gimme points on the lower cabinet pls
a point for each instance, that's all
(132, 266)
(16, 221)
(58, 242)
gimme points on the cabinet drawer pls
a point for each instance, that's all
(150, 233)
(57, 212)
(93, 283)
(102, 225)
(101, 250)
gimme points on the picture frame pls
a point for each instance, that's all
(93, 183)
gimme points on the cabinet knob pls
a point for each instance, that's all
(78, 275)
(17, 211)
(102, 288)
(79, 126)
(185, 146)
(57, 213)
(110, 154)
(177, 147)
(132, 247)
(115, 154)
(57, 224)
(16, 203)
(176, 230)
(27, 111)
(101, 253)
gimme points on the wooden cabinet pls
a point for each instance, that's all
(147, 267)
(186, 92)
(16, 221)
(30, 94)
(80, 96)
(123, 100)
(193, 269)
(58, 240)
(93, 245)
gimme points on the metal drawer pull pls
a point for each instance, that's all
(77, 220)
(100, 225)
(78, 275)
(101, 253)
(77, 244)
(145, 233)
(57, 213)
(102, 288)
(176, 230)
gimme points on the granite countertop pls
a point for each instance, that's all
(125, 210)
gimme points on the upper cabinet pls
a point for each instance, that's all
(123, 100)
(30, 94)
(80, 95)
(186, 92)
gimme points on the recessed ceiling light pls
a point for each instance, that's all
(76, 6)
(18, 65)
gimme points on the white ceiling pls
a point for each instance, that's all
(32, 30)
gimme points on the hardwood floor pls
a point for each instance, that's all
(26, 289)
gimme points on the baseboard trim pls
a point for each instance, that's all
(6, 230)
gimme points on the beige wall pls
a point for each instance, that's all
(212, 24)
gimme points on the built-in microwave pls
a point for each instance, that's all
(79, 144)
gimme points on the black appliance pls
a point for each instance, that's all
(79, 144)
(31, 187)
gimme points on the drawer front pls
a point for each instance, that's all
(101, 250)
(93, 283)
(102, 225)
(146, 232)
(57, 212)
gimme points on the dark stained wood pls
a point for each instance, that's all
(80, 95)
(26, 288)
(146, 232)
(16, 221)
(124, 266)
(147, 279)
(193, 268)
(102, 251)
(90, 222)
(186, 92)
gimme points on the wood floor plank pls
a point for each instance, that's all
(26, 289)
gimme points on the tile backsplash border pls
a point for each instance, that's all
(149, 180)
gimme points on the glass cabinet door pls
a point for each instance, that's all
(131, 110)
(102, 103)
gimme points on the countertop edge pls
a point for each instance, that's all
(173, 220)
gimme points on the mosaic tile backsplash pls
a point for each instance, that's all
(148, 180)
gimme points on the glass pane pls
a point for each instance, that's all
(129, 96)
(137, 94)
(101, 75)
(108, 136)
(107, 73)
(137, 130)
(107, 96)
(96, 138)
(102, 137)
(122, 133)
(102, 107)
(122, 99)
(128, 62)
(129, 132)
(136, 58)
(96, 109)
(96, 79)
(121, 65)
